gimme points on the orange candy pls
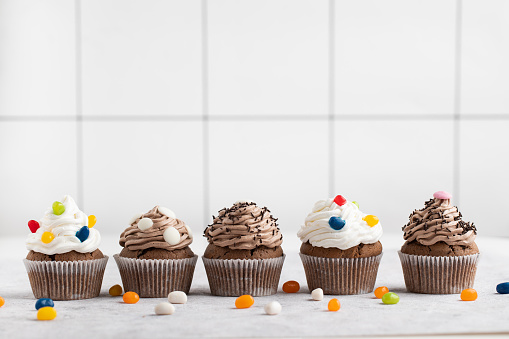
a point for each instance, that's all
(131, 297)
(334, 305)
(291, 287)
(469, 294)
(380, 291)
(244, 301)
(2, 301)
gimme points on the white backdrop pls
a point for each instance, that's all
(194, 104)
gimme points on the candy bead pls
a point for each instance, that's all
(371, 220)
(131, 297)
(469, 294)
(334, 305)
(339, 200)
(47, 237)
(291, 287)
(355, 203)
(145, 223)
(177, 297)
(164, 309)
(390, 298)
(317, 294)
(443, 195)
(91, 221)
(44, 302)
(244, 301)
(33, 225)
(503, 288)
(83, 233)
(336, 223)
(167, 212)
(46, 313)
(2, 301)
(115, 290)
(58, 208)
(171, 236)
(273, 308)
(380, 291)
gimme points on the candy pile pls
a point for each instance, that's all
(45, 309)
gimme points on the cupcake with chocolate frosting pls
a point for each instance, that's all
(439, 255)
(244, 255)
(156, 258)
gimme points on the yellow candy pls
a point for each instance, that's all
(115, 290)
(47, 237)
(91, 221)
(46, 313)
(371, 220)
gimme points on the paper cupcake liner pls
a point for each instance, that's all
(66, 280)
(438, 275)
(341, 275)
(156, 278)
(236, 277)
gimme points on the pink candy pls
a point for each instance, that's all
(442, 195)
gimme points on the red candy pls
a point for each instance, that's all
(33, 225)
(339, 200)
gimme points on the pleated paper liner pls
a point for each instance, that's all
(66, 280)
(438, 275)
(236, 277)
(341, 276)
(156, 278)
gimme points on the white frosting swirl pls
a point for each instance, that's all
(356, 231)
(64, 228)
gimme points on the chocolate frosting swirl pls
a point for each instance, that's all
(133, 238)
(244, 226)
(439, 221)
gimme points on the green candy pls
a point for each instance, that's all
(390, 298)
(58, 208)
(355, 203)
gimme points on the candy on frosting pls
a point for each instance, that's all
(244, 226)
(57, 233)
(439, 221)
(442, 195)
(318, 231)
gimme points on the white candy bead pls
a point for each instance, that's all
(135, 217)
(243, 201)
(167, 212)
(171, 235)
(317, 294)
(164, 309)
(145, 224)
(273, 308)
(177, 297)
(189, 232)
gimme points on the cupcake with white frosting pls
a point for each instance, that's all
(64, 261)
(341, 248)
(156, 258)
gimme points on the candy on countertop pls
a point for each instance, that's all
(273, 308)
(115, 290)
(83, 233)
(503, 288)
(291, 286)
(47, 237)
(171, 236)
(390, 298)
(244, 301)
(46, 313)
(336, 223)
(2, 301)
(91, 221)
(339, 200)
(33, 225)
(145, 223)
(443, 195)
(58, 208)
(380, 291)
(164, 309)
(371, 220)
(355, 203)
(131, 297)
(317, 294)
(334, 305)
(468, 294)
(177, 297)
(167, 212)
(44, 302)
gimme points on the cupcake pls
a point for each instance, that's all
(156, 258)
(64, 262)
(340, 248)
(439, 255)
(244, 255)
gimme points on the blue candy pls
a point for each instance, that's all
(336, 223)
(83, 233)
(503, 288)
(44, 302)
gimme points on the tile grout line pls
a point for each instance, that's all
(79, 107)
(457, 102)
(331, 102)
(205, 111)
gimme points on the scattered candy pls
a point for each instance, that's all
(167, 212)
(334, 305)
(58, 208)
(244, 301)
(47, 237)
(177, 297)
(171, 235)
(443, 195)
(336, 223)
(339, 200)
(2, 301)
(46, 313)
(33, 225)
(164, 309)
(91, 221)
(135, 217)
(44, 302)
(145, 223)
(116, 290)
(317, 294)
(469, 294)
(273, 308)
(355, 203)
(291, 287)
(390, 298)
(189, 232)
(131, 297)
(371, 220)
(503, 288)
(381, 291)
